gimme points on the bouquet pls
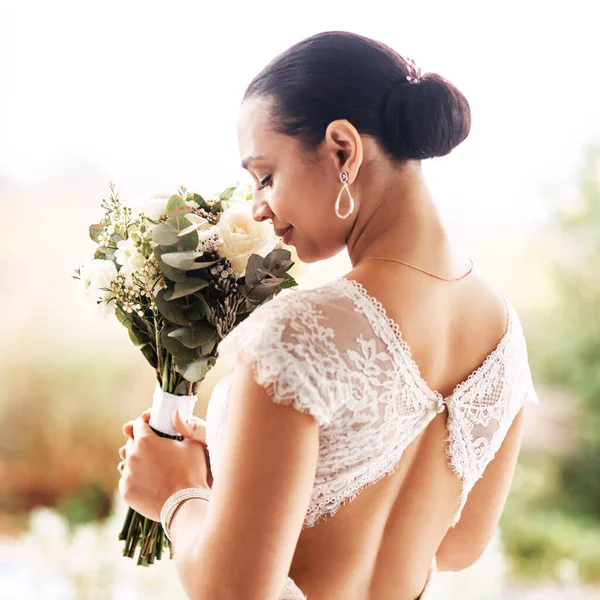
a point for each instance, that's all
(179, 272)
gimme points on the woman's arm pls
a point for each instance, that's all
(464, 544)
(241, 543)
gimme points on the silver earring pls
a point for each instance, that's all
(344, 179)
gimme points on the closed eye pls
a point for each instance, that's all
(265, 182)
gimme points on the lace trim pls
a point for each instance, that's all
(327, 513)
(414, 366)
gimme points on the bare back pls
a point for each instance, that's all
(418, 389)
(380, 545)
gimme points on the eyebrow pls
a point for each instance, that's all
(250, 159)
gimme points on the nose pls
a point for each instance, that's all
(261, 211)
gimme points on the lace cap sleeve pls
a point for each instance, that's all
(290, 345)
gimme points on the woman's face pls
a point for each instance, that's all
(293, 187)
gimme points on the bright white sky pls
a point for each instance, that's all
(147, 93)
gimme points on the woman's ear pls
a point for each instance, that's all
(344, 144)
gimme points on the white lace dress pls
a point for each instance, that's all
(332, 352)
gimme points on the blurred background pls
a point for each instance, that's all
(146, 95)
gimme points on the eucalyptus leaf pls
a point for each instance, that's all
(278, 261)
(192, 227)
(180, 260)
(184, 242)
(196, 335)
(175, 347)
(194, 370)
(189, 286)
(201, 265)
(198, 308)
(171, 311)
(95, 231)
(175, 204)
(182, 388)
(186, 260)
(169, 272)
(255, 262)
(165, 235)
(210, 345)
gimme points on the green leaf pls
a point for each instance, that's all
(192, 227)
(186, 261)
(198, 308)
(165, 235)
(139, 340)
(171, 311)
(193, 371)
(199, 200)
(226, 194)
(150, 355)
(201, 265)
(182, 386)
(289, 282)
(255, 264)
(195, 336)
(175, 347)
(278, 262)
(180, 260)
(95, 231)
(124, 318)
(189, 286)
(169, 272)
(185, 242)
(176, 207)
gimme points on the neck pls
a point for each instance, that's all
(398, 219)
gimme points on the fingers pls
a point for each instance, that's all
(194, 429)
(141, 428)
(128, 427)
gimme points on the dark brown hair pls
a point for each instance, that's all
(341, 75)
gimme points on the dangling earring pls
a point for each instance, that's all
(344, 179)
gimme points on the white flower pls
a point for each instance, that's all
(153, 207)
(209, 239)
(126, 250)
(243, 236)
(95, 281)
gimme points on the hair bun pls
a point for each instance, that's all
(424, 119)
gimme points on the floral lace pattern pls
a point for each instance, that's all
(332, 352)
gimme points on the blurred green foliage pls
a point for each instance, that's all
(553, 511)
(61, 413)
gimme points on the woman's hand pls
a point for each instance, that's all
(153, 467)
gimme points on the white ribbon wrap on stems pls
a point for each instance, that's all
(163, 405)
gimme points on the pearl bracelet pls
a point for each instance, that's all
(174, 501)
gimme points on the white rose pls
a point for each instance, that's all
(153, 207)
(243, 236)
(94, 286)
(126, 250)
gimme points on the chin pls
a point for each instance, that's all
(313, 253)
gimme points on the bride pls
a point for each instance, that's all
(368, 434)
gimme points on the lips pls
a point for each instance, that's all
(282, 232)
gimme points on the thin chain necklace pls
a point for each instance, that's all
(418, 269)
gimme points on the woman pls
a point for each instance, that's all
(361, 415)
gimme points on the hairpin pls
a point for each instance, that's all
(414, 75)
